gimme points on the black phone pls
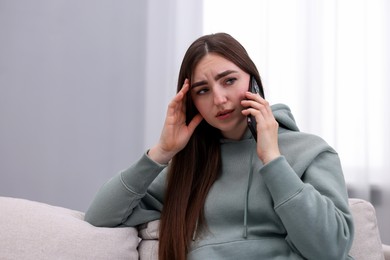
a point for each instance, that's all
(254, 88)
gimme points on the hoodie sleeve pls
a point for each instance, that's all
(129, 198)
(314, 207)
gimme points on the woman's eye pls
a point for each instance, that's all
(230, 81)
(202, 91)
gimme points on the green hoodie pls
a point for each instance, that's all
(294, 207)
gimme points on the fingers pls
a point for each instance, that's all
(176, 114)
(177, 104)
(258, 107)
(182, 93)
(267, 126)
(255, 103)
(180, 98)
(194, 122)
(256, 97)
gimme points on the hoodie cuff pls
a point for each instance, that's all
(141, 174)
(281, 180)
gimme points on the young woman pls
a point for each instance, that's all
(219, 193)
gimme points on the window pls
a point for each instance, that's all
(326, 60)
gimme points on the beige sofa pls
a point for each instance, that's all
(34, 230)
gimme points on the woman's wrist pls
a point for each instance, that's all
(270, 157)
(159, 156)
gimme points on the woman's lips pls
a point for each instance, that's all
(224, 114)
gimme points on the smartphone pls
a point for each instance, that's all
(254, 88)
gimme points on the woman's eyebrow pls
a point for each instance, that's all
(198, 84)
(223, 74)
(217, 77)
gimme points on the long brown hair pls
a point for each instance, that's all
(194, 169)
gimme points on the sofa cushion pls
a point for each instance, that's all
(367, 244)
(149, 230)
(34, 230)
(148, 247)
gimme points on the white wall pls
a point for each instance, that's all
(71, 83)
(84, 86)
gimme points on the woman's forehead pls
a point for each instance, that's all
(213, 64)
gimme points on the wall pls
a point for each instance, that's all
(84, 87)
(71, 85)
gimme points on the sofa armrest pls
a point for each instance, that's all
(386, 251)
(34, 230)
(367, 243)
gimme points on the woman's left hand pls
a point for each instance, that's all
(267, 126)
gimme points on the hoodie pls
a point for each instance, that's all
(294, 207)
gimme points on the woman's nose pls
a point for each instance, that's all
(219, 96)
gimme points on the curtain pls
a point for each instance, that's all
(171, 27)
(328, 60)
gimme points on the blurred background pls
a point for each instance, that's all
(84, 84)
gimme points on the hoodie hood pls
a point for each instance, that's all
(284, 117)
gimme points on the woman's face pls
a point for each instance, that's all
(217, 88)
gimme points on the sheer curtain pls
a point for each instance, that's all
(328, 60)
(171, 27)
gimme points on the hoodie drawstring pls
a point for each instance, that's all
(196, 228)
(245, 234)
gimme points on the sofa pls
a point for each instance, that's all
(35, 230)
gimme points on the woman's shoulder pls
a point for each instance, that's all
(302, 139)
(302, 149)
(295, 142)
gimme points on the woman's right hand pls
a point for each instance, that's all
(176, 133)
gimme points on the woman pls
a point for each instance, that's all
(219, 193)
